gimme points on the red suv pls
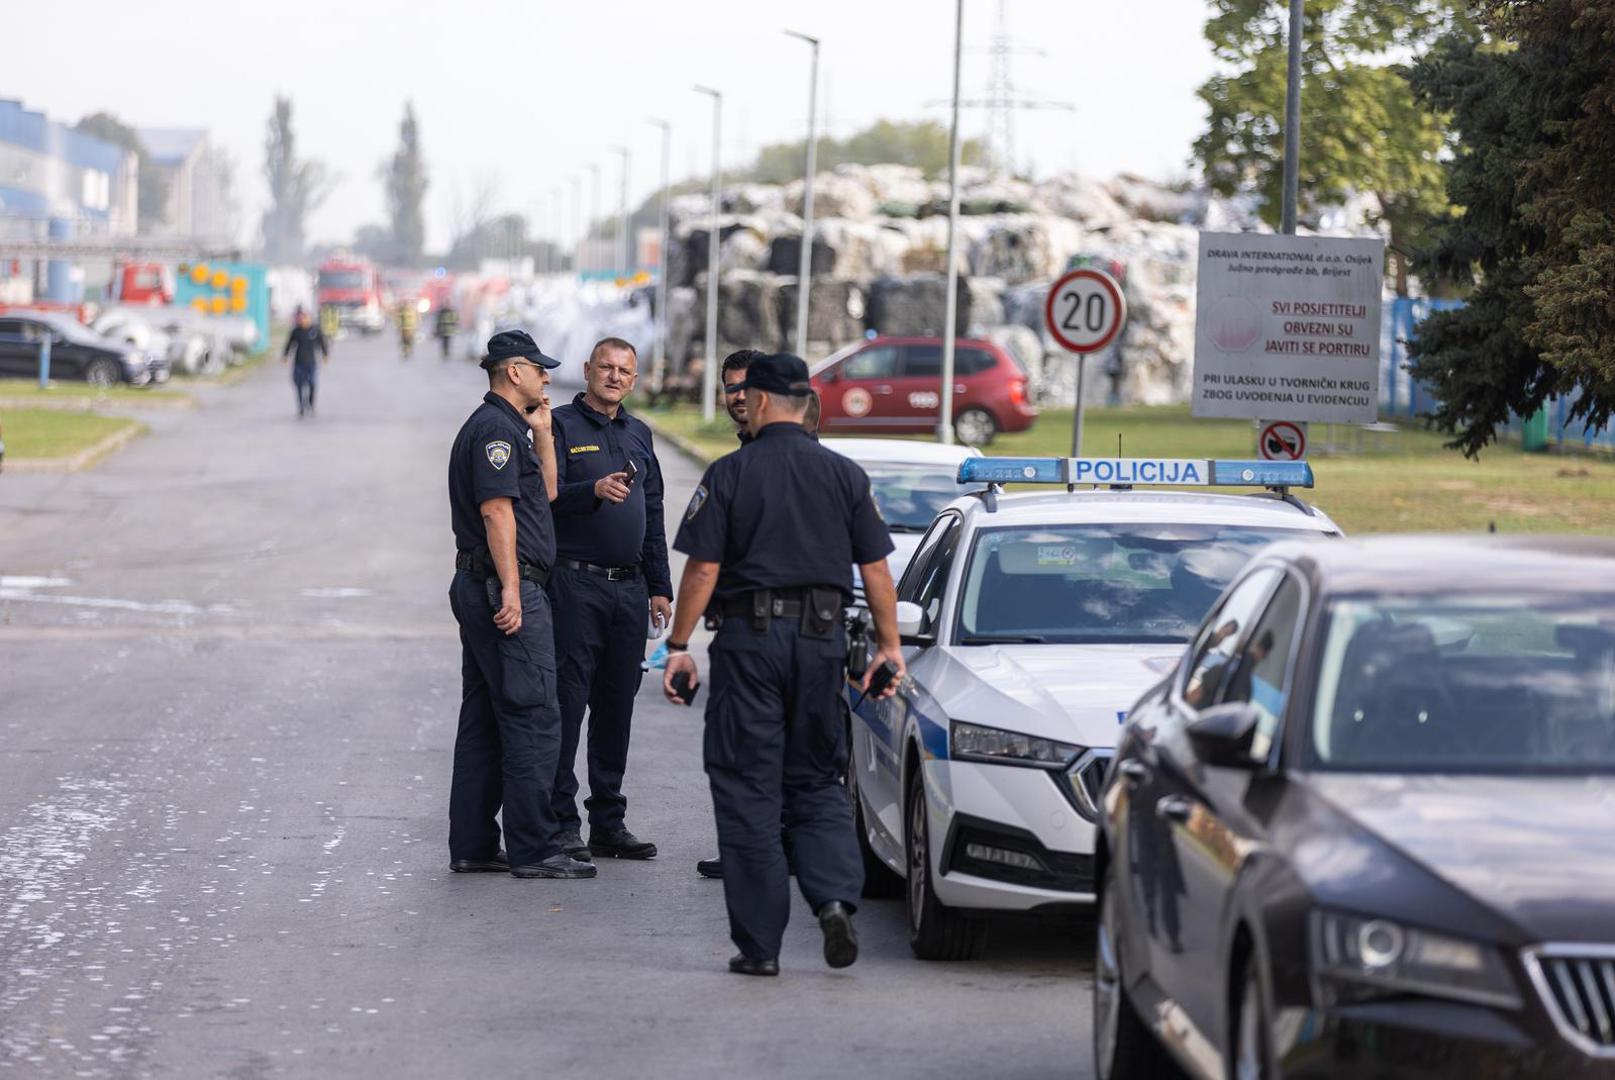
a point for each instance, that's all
(890, 386)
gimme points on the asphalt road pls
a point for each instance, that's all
(228, 687)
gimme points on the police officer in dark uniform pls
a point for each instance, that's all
(500, 487)
(772, 533)
(610, 575)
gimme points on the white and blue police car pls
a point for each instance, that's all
(1031, 623)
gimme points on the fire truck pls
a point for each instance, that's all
(351, 287)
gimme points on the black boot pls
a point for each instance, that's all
(840, 939)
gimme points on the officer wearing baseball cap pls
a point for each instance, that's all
(501, 479)
(772, 534)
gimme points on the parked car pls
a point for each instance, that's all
(76, 352)
(890, 386)
(1363, 826)
(911, 481)
(1029, 622)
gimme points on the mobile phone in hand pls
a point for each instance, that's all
(632, 473)
(682, 687)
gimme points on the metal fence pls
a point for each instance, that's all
(1401, 396)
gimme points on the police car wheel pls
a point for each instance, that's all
(879, 881)
(975, 427)
(934, 932)
(1122, 1045)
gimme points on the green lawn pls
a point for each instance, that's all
(28, 389)
(1408, 482)
(53, 433)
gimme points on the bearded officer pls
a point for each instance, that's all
(772, 534)
(610, 574)
(500, 487)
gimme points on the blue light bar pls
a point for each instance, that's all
(1007, 470)
(1261, 474)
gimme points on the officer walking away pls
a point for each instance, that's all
(772, 533)
(500, 487)
(446, 323)
(306, 339)
(610, 575)
(733, 374)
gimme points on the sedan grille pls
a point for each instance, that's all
(1577, 984)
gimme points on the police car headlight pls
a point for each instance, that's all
(972, 742)
(1358, 959)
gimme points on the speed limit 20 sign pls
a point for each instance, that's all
(1085, 310)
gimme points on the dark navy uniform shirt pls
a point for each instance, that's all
(493, 458)
(588, 446)
(784, 512)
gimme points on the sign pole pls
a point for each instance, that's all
(950, 303)
(1076, 414)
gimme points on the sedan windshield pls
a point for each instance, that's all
(911, 496)
(1500, 684)
(1089, 584)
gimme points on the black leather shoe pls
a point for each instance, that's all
(571, 843)
(840, 939)
(620, 844)
(741, 964)
(710, 868)
(496, 865)
(560, 865)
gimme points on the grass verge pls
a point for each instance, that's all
(33, 434)
(1407, 482)
(82, 393)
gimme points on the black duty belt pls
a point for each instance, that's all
(481, 567)
(610, 573)
(785, 604)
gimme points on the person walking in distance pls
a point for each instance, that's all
(306, 340)
(771, 536)
(500, 489)
(611, 573)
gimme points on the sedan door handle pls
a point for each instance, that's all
(1134, 771)
(1174, 808)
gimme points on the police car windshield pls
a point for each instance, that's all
(911, 496)
(1097, 584)
(1501, 684)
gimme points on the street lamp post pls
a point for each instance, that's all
(944, 431)
(577, 225)
(623, 257)
(1292, 121)
(594, 208)
(659, 357)
(804, 276)
(709, 373)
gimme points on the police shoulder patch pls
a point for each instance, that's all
(498, 453)
(697, 501)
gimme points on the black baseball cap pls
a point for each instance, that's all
(777, 373)
(510, 344)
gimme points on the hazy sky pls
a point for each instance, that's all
(524, 95)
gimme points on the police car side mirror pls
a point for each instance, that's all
(1222, 735)
(910, 621)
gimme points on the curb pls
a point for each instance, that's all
(99, 404)
(680, 443)
(84, 458)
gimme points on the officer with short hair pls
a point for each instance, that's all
(734, 402)
(500, 487)
(610, 574)
(772, 534)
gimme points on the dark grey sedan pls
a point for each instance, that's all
(1367, 826)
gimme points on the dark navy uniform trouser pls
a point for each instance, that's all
(599, 646)
(776, 751)
(510, 728)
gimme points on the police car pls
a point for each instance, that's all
(911, 482)
(1031, 622)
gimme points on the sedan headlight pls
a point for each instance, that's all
(972, 742)
(1367, 958)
